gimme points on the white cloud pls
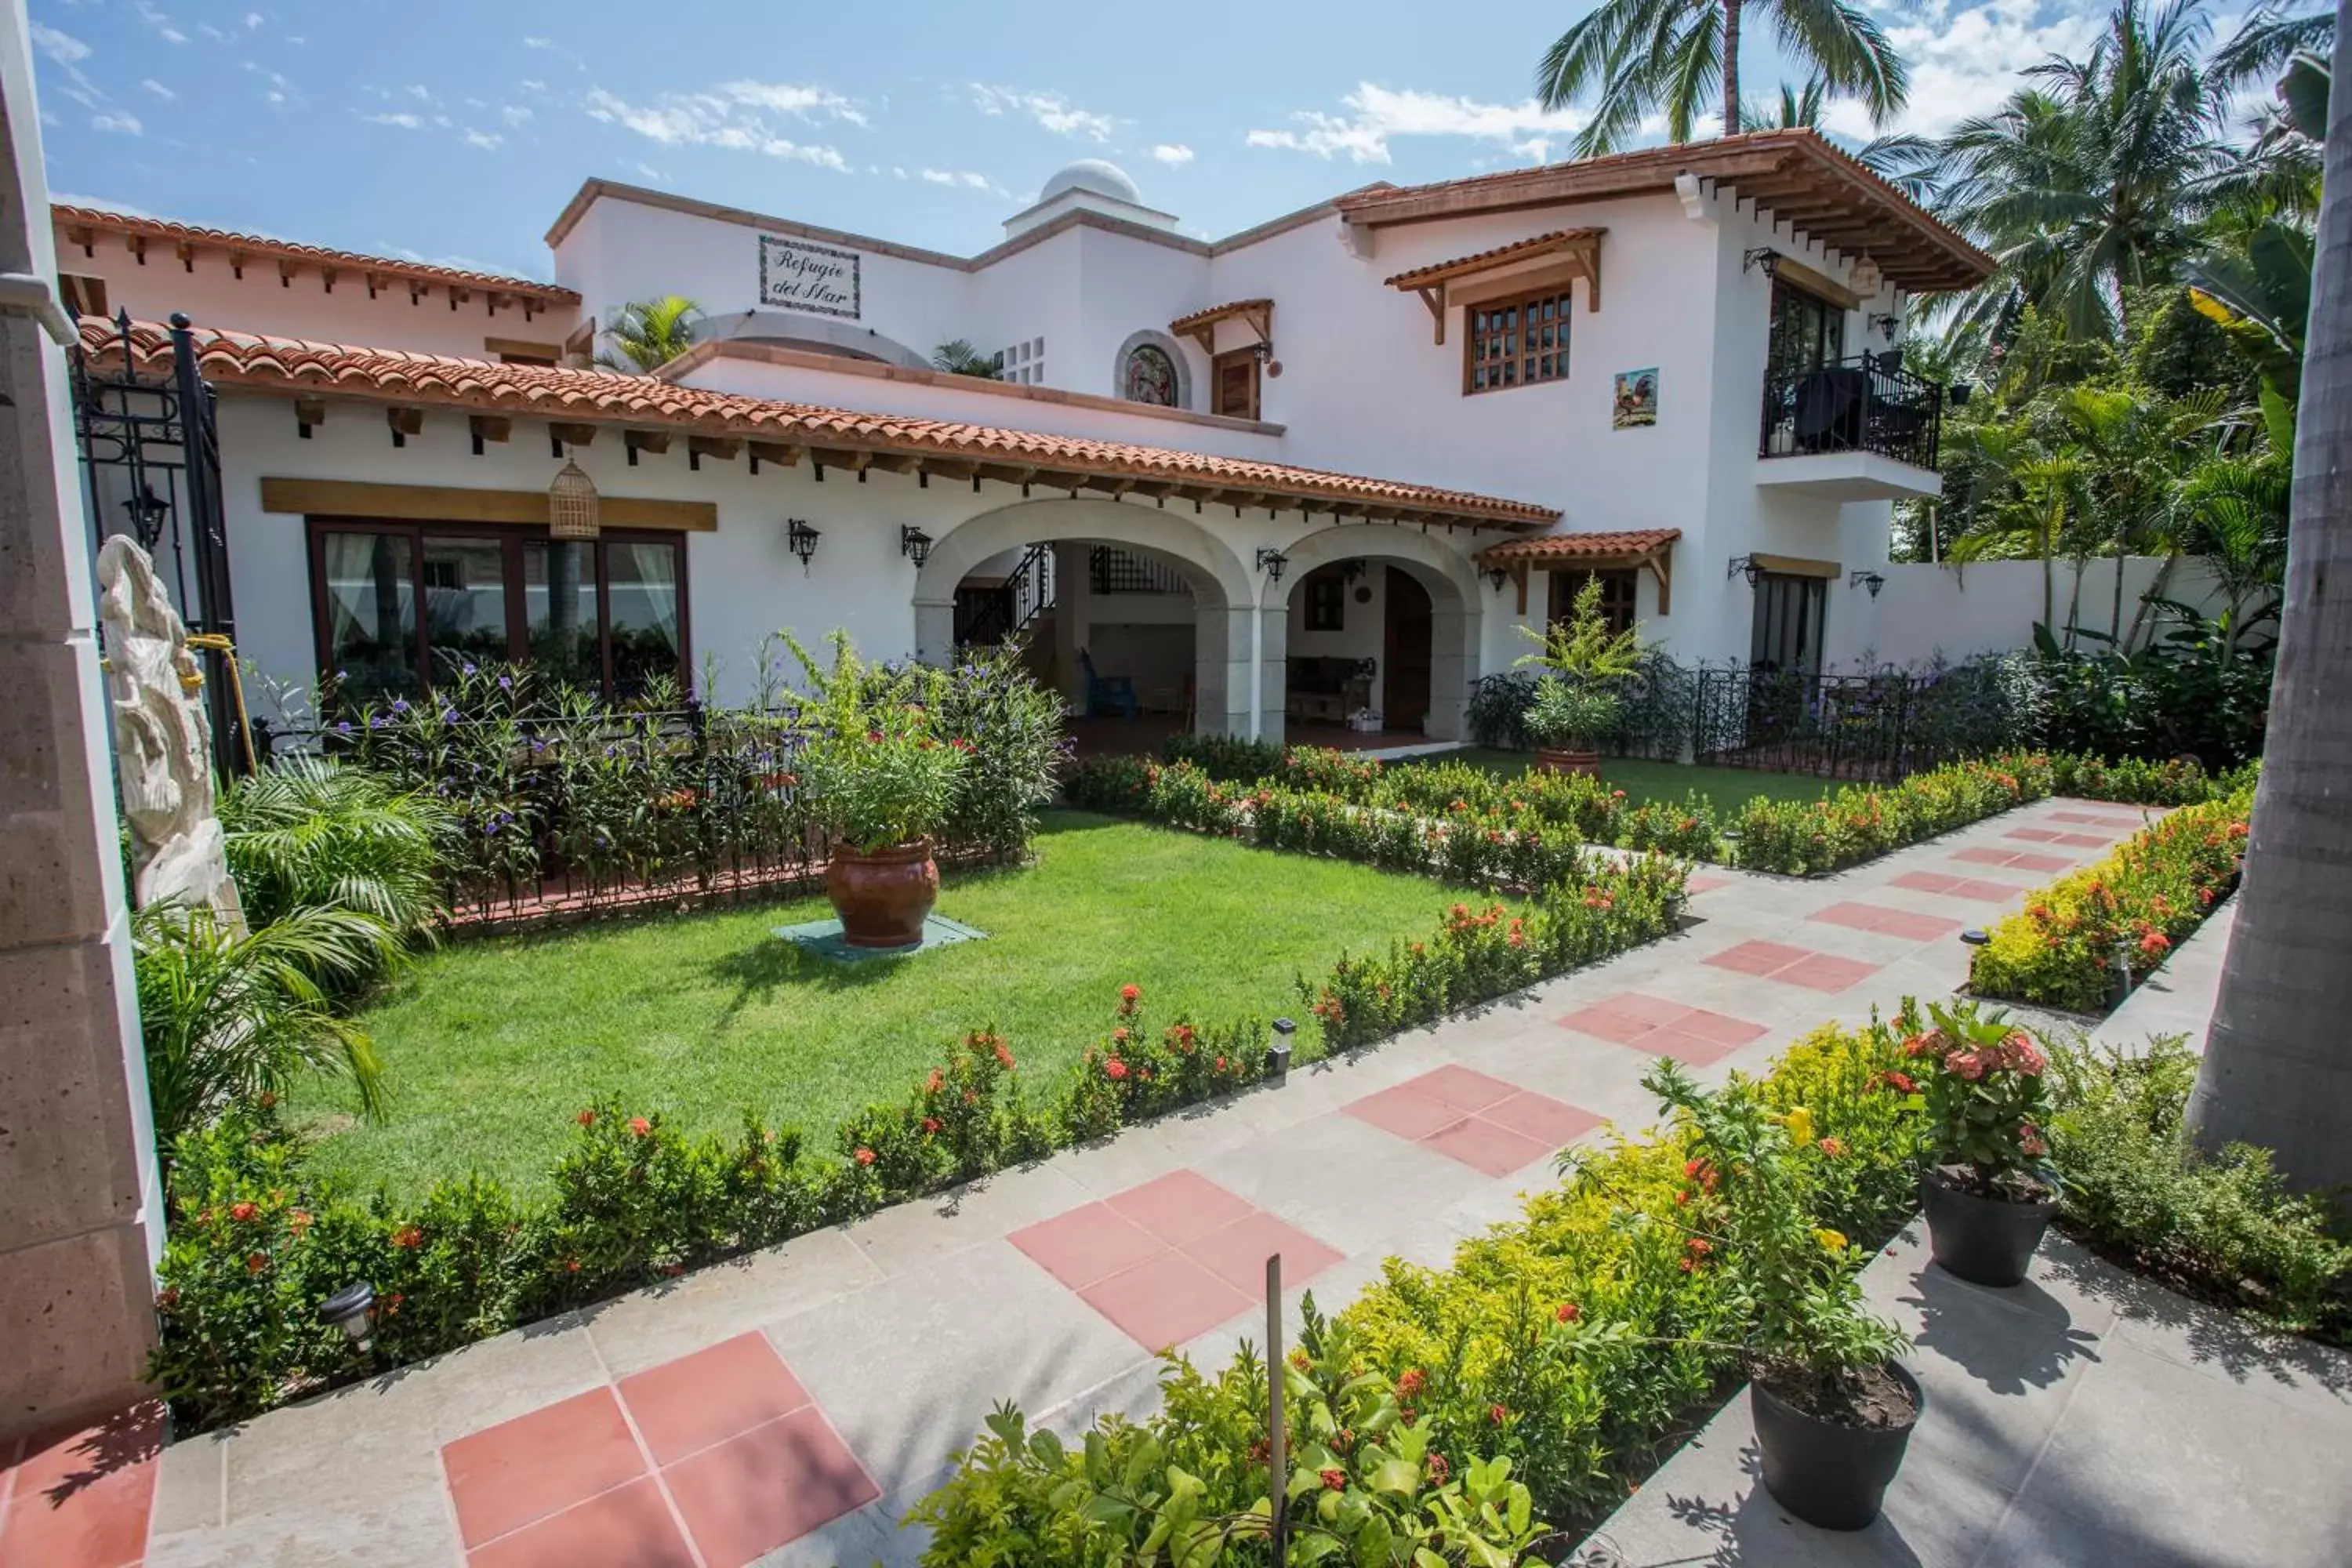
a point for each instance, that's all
(217, 35)
(160, 23)
(120, 122)
(533, 84)
(650, 172)
(1965, 63)
(488, 140)
(420, 92)
(62, 47)
(789, 98)
(1049, 110)
(100, 204)
(253, 19)
(405, 122)
(539, 43)
(723, 118)
(1175, 155)
(957, 179)
(158, 89)
(1379, 113)
(514, 113)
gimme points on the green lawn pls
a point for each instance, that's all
(1728, 789)
(493, 1047)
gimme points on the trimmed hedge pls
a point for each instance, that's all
(2081, 940)
(259, 1239)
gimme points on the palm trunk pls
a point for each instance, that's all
(2278, 1071)
(1731, 67)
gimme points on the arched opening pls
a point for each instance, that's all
(1373, 641)
(1128, 611)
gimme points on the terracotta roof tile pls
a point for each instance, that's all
(1580, 546)
(1437, 271)
(291, 366)
(1218, 313)
(76, 218)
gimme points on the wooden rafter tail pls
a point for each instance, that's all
(1661, 563)
(1435, 298)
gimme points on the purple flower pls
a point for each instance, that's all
(343, 726)
(506, 683)
(400, 704)
(468, 667)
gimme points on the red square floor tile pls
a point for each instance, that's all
(1756, 957)
(697, 1400)
(1483, 1146)
(1406, 1111)
(1462, 1088)
(1928, 881)
(1985, 857)
(1602, 1023)
(536, 1465)
(1166, 1300)
(81, 1500)
(770, 1486)
(1648, 1009)
(1702, 883)
(1825, 972)
(1180, 1206)
(628, 1527)
(1091, 1242)
(2082, 840)
(2034, 836)
(1913, 928)
(1719, 1028)
(1984, 892)
(1554, 1122)
(1853, 917)
(1237, 1254)
(1688, 1049)
(2040, 862)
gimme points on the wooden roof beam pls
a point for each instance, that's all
(784, 453)
(723, 447)
(484, 427)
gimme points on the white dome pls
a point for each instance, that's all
(1093, 174)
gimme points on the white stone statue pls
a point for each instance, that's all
(163, 741)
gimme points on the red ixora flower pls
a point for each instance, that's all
(931, 1084)
(1119, 1035)
(864, 1156)
(242, 1212)
(931, 1125)
(408, 1238)
(1437, 1469)
(1413, 1380)
(586, 1118)
(1335, 1480)
(1497, 1415)
(1569, 1311)
(1130, 992)
(1114, 1069)
(256, 1262)
(1832, 1147)
(640, 1126)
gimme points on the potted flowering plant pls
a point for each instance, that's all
(880, 779)
(1833, 1409)
(1576, 703)
(1989, 1194)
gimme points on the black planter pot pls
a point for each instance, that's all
(1986, 1241)
(1830, 1475)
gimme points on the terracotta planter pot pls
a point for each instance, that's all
(1827, 1474)
(882, 896)
(1986, 1241)
(1560, 761)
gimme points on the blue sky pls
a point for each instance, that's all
(456, 133)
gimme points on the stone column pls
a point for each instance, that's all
(80, 1212)
(1222, 673)
(1273, 669)
(1454, 636)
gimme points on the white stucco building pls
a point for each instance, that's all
(1324, 464)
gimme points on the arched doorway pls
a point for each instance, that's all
(1370, 617)
(1150, 598)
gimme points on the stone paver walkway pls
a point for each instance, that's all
(788, 1407)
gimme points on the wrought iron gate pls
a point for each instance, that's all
(149, 449)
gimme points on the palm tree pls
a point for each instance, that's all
(649, 334)
(2277, 1073)
(1681, 57)
(958, 357)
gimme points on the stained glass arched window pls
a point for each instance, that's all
(1149, 376)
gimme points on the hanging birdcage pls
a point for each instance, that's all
(571, 503)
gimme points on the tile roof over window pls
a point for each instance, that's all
(82, 225)
(1568, 548)
(1818, 188)
(1501, 256)
(292, 367)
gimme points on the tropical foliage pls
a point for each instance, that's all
(958, 357)
(649, 334)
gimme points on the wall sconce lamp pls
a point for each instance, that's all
(1745, 566)
(147, 511)
(914, 545)
(1886, 325)
(1498, 575)
(1763, 255)
(1270, 563)
(353, 1309)
(801, 540)
(1871, 580)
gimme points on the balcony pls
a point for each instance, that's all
(1855, 429)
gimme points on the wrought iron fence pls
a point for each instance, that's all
(1868, 404)
(1110, 570)
(1880, 726)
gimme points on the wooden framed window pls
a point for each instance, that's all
(1327, 601)
(1515, 343)
(1234, 378)
(395, 605)
(1617, 589)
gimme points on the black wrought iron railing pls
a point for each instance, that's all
(1868, 404)
(1880, 726)
(1110, 570)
